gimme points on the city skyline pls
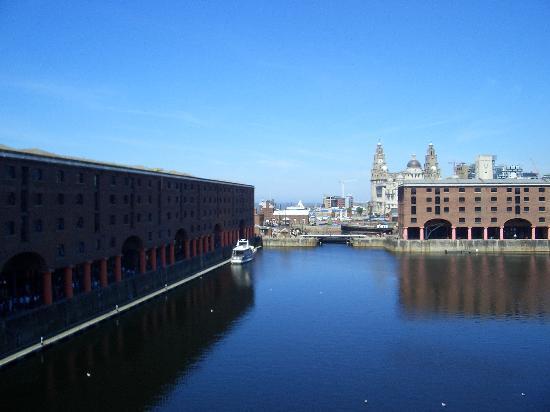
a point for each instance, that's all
(250, 93)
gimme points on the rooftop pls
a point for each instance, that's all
(476, 182)
(42, 155)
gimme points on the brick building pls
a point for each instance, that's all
(69, 225)
(474, 209)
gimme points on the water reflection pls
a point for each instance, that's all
(470, 285)
(139, 357)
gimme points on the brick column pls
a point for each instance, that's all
(484, 233)
(548, 233)
(47, 287)
(87, 276)
(142, 262)
(163, 256)
(193, 248)
(186, 251)
(421, 232)
(469, 233)
(103, 272)
(502, 232)
(453, 233)
(405, 233)
(153, 256)
(172, 253)
(118, 268)
(533, 232)
(68, 282)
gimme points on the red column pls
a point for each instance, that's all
(103, 272)
(118, 268)
(193, 248)
(223, 239)
(405, 233)
(142, 263)
(502, 232)
(421, 232)
(186, 252)
(469, 233)
(69, 282)
(163, 256)
(87, 277)
(548, 233)
(153, 255)
(485, 233)
(453, 233)
(533, 233)
(47, 287)
(172, 253)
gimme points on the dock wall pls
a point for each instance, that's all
(455, 246)
(22, 332)
(289, 242)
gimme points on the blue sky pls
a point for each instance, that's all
(289, 96)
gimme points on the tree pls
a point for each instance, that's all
(359, 210)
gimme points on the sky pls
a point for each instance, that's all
(291, 97)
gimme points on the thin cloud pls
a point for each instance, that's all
(94, 99)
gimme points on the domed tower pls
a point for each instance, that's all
(431, 166)
(379, 179)
(414, 169)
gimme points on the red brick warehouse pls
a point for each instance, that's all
(70, 226)
(474, 209)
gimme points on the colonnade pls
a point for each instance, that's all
(163, 254)
(405, 232)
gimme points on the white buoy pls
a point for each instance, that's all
(366, 401)
(443, 404)
(211, 310)
(88, 374)
(522, 394)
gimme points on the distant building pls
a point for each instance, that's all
(474, 209)
(485, 167)
(342, 202)
(464, 171)
(384, 184)
(292, 215)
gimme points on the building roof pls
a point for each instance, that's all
(292, 212)
(44, 156)
(476, 182)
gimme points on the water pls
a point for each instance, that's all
(315, 329)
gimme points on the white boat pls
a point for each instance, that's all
(243, 252)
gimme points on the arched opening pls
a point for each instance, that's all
(130, 256)
(477, 233)
(437, 229)
(179, 245)
(21, 283)
(517, 229)
(413, 233)
(493, 232)
(462, 233)
(541, 233)
(242, 233)
(217, 236)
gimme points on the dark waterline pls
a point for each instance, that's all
(316, 329)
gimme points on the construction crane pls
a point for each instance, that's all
(343, 182)
(535, 168)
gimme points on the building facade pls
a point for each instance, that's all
(474, 209)
(384, 184)
(70, 225)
